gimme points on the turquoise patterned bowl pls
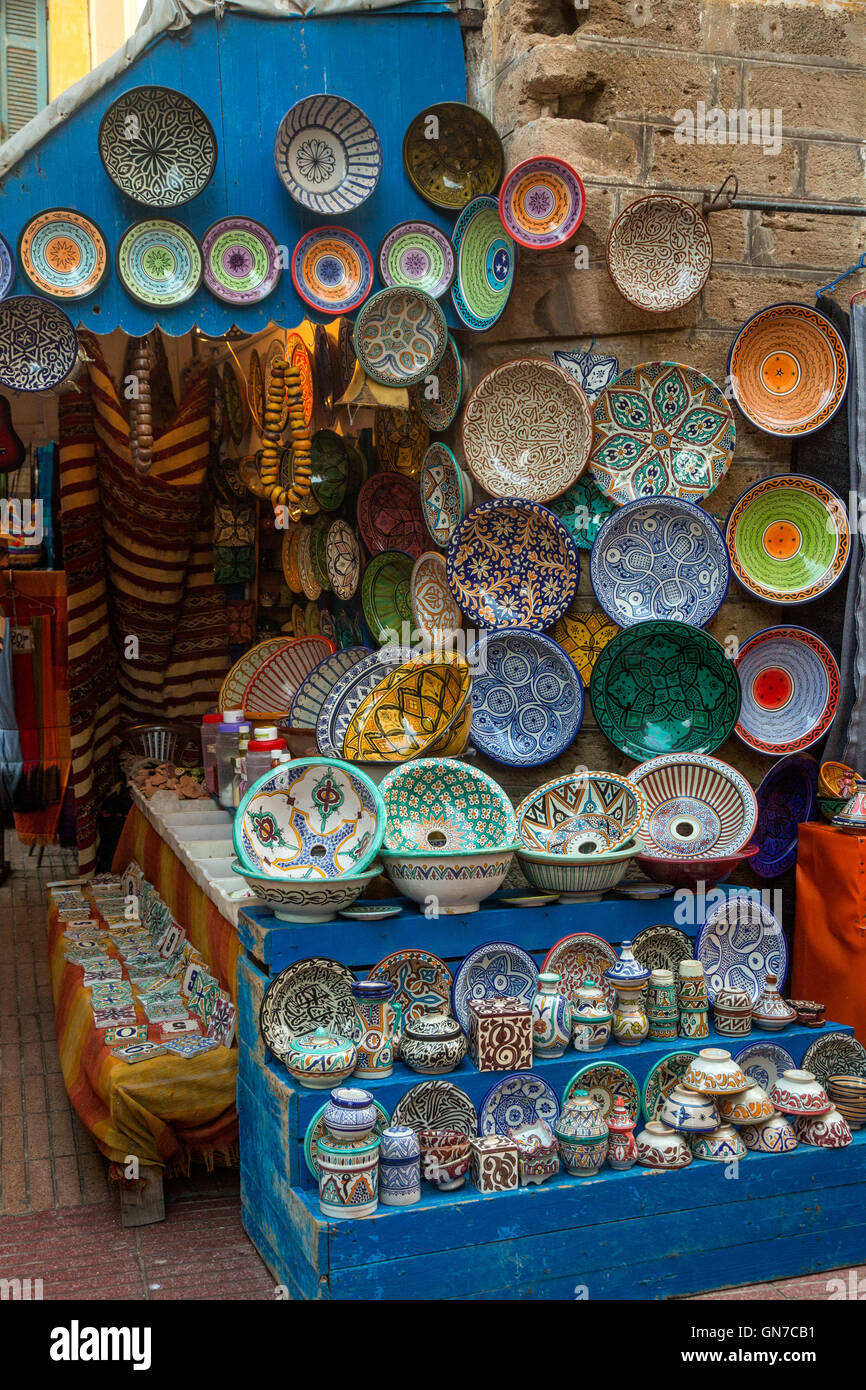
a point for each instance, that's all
(442, 804)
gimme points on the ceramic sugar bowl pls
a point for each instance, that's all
(659, 1146)
(688, 1111)
(749, 1107)
(715, 1073)
(798, 1092)
(770, 1011)
(433, 1043)
(581, 1135)
(320, 1058)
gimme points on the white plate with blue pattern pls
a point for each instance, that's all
(521, 1099)
(491, 971)
(527, 698)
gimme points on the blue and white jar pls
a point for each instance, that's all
(551, 1017)
(399, 1167)
(350, 1113)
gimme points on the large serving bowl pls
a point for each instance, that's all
(316, 818)
(400, 336)
(273, 686)
(465, 160)
(512, 564)
(585, 878)
(527, 698)
(440, 804)
(659, 253)
(580, 813)
(386, 591)
(296, 899)
(317, 686)
(389, 515)
(695, 807)
(409, 711)
(790, 685)
(453, 882)
(788, 370)
(688, 873)
(434, 609)
(157, 146)
(786, 798)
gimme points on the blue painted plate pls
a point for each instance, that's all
(345, 697)
(764, 1062)
(7, 267)
(527, 698)
(317, 686)
(739, 944)
(511, 564)
(591, 370)
(328, 154)
(660, 557)
(785, 798)
(521, 1099)
(497, 968)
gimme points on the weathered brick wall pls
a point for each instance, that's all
(600, 86)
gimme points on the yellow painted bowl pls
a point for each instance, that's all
(409, 711)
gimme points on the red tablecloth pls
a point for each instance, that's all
(830, 931)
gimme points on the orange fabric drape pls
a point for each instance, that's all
(830, 931)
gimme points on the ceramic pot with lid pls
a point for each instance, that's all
(350, 1113)
(320, 1058)
(581, 1135)
(770, 1011)
(433, 1043)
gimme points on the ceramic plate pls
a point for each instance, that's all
(582, 635)
(436, 1104)
(444, 804)
(342, 559)
(63, 254)
(579, 957)
(764, 1062)
(452, 153)
(298, 356)
(318, 537)
(661, 427)
(605, 1081)
(591, 370)
(323, 366)
(739, 944)
(419, 979)
(317, 1129)
(439, 405)
(7, 267)
(277, 680)
(38, 344)
(696, 806)
(157, 146)
(788, 370)
(446, 493)
(159, 262)
(310, 819)
(659, 253)
(834, 1054)
(317, 686)
(256, 390)
(386, 595)
(542, 202)
(400, 337)
(643, 889)
(400, 438)
(408, 711)
(497, 968)
(311, 993)
(370, 912)
(418, 256)
(348, 693)
(310, 584)
(786, 798)
(241, 260)
(327, 154)
(582, 508)
(550, 817)
(530, 900)
(330, 464)
(523, 1098)
(527, 430)
(240, 675)
(662, 948)
(662, 687)
(660, 558)
(790, 685)
(434, 610)
(527, 698)
(512, 564)
(332, 270)
(789, 539)
(662, 1078)
(390, 515)
(486, 265)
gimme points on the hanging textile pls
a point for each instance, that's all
(10, 744)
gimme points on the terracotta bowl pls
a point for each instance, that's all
(788, 370)
(659, 253)
(688, 873)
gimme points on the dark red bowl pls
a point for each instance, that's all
(688, 873)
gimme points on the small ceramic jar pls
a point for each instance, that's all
(445, 1155)
(658, 1146)
(694, 1024)
(591, 1018)
(630, 1021)
(732, 1013)
(348, 1177)
(433, 1043)
(720, 1145)
(350, 1113)
(797, 1092)
(691, 985)
(770, 1012)
(399, 1167)
(581, 1135)
(774, 1136)
(661, 991)
(749, 1107)
(828, 1131)
(628, 975)
(319, 1059)
(688, 1111)
(551, 1017)
(715, 1073)
(621, 1144)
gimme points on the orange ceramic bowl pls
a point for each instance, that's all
(837, 780)
(788, 370)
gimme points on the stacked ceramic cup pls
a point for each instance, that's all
(692, 1001)
(732, 1013)
(661, 1004)
(347, 1155)
(848, 1094)
(399, 1167)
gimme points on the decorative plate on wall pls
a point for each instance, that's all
(527, 430)
(764, 1062)
(434, 609)
(386, 595)
(789, 538)
(605, 1081)
(232, 690)
(157, 146)
(318, 684)
(327, 154)
(578, 957)
(436, 1104)
(159, 262)
(311, 993)
(582, 509)
(400, 337)
(739, 944)
(786, 798)
(241, 260)
(661, 427)
(276, 682)
(452, 153)
(256, 390)
(662, 1078)
(418, 256)
(790, 684)
(659, 253)
(342, 559)
(582, 634)
(490, 971)
(400, 439)
(310, 583)
(696, 807)
(527, 698)
(660, 557)
(330, 464)
(63, 254)
(662, 948)
(663, 687)
(446, 492)
(420, 980)
(486, 264)
(233, 400)
(788, 369)
(439, 407)
(524, 1098)
(332, 270)
(7, 267)
(591, 370)
(390, 516)
(542, 202)
(512, 564)
(38, 344)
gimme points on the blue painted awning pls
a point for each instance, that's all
(245, 71)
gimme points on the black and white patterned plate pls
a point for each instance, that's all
(312, 993)
(436, 1104)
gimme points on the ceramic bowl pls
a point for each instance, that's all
(465, 160)
(688, 1111)
(175, 156)
(789, 538)
(486, 265)
(658, 1146)
(315, 819)
(63, 254)
(512, 564)
(456, 883)
(446, 492)
(837, 780)
(773, 1136)
(831, 806)
(297, 900)
(417, 255)
(527, 698)
(798, 1092)
(320, 1060)
(53, 350)
(542, 202)
(389, 515)
(695, 806)
(434, 609)
(715, 1073)
(828, 1131)
(584, 879)
(848, 1094)
(439, 804)
(276, 682)
(409, 711)
(317, 686)
(347, 693)
(749, 1107)
(327, 154)
(788, 370)
(400, 336)
(719, 1146)
(143, 252)
(332, 270)
(527, 430)
(790, 685)
(580, 813)
(688, 873)
(386, 596)
(445, 1155)
(440, 411)
(659, 253)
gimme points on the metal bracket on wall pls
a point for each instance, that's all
(726, 198)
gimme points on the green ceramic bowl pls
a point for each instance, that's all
(831, 806)
(385, 594)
